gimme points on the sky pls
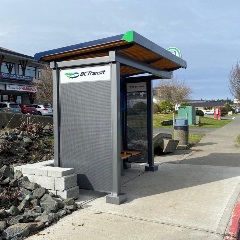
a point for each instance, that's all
(206, 32)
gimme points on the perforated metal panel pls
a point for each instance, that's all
(85, 133)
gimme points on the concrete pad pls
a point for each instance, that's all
(86, 196)
(87, 224)
(180, 194)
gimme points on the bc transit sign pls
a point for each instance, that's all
(88, 74)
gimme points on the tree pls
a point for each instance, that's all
(44, 85)
(234, 81)
(172, 90)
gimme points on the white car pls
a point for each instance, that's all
(44, 109)
(237, 110)
(208, 112)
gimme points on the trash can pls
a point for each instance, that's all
(181, 131)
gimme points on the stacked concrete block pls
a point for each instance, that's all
(59, 181)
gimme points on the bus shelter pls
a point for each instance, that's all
(102, 89)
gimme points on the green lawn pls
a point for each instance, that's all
(213, 123)
(194, 139)
(157, 118)
(205, 121)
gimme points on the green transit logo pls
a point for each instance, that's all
(175, 51)
(72, 75)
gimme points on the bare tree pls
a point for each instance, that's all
(44, 85)
(234, 81)
(172, 90)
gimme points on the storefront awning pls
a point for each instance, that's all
(131, 45)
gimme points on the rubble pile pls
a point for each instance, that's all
(26, 207)
(26, 144)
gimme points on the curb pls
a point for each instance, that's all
(233, 231)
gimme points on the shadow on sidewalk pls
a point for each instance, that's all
(206, 144)
(213, 159)
(180, 174)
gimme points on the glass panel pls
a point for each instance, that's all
(5, 97)
(4, 68)
(30, 71)
(137, 124)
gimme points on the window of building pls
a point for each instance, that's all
(8, 67)
(30, 71)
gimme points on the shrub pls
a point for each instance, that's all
(228, 107)
(199, 113)
(224, 111)
(165, 106)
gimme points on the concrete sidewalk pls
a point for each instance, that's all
(191, 196)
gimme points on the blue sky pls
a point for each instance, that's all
(206, 31)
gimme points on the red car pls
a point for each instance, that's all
(28, 109)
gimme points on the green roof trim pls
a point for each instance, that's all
(128, 36)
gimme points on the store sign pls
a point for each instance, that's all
(137, 87)
(89, 74)
(15, 77)
(21, 88)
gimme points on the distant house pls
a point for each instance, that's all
(199, 104)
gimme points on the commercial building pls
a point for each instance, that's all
(17, 72)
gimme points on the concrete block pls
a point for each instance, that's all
(41, 171)
(45, 163)
(53, 191)
(59, 172)
(28, 169)
(69, 193)
(19, 168)
(169, 145)
(44, 181)
(65, 182)
(31, 178)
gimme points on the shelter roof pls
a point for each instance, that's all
(130, 44)
(13, 53)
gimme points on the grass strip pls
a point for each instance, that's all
(238, 139)
(206, 122)
(194, 139)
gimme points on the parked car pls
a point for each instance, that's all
(10, 107)
(237, 110)
(208, 112)
(44, 109)
(28, 109)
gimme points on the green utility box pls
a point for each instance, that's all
(189, 113)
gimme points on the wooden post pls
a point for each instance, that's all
(23, 64)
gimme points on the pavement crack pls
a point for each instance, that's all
(131, 179)
(160, 222)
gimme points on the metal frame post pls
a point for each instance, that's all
(56, 113)
(151, 167)
(116, 197)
